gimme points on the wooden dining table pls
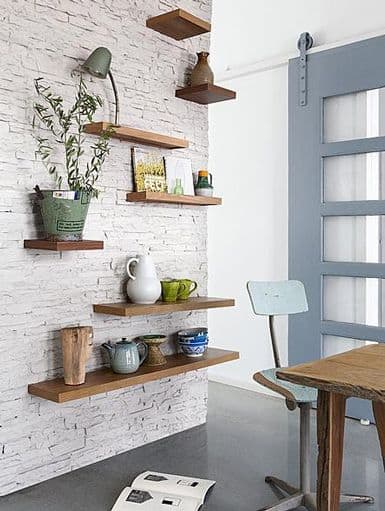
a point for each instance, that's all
(356, 373)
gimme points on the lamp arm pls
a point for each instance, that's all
(114, 88)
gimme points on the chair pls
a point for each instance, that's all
(284, 298)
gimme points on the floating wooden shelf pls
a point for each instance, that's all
(172, 199)
(61, 246)
(104, 380)
(205, 94)
(138, 136)
(178, 24)
(134, 309)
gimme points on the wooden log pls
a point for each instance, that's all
(76, 343)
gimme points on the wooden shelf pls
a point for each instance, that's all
(138, 136)
(134, 309)
(169, 198)
(61, 246)
(178, 24)
(205, 94)
(104, 380)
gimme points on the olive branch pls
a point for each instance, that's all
(67, 128)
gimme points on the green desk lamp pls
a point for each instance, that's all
(98, 64)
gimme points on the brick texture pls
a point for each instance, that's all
(41, 292)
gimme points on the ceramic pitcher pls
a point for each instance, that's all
(204, 185)
(144, 285)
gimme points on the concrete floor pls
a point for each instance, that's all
(247, 436)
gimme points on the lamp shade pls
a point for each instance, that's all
(98, 63)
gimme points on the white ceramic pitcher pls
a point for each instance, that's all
(143, 286)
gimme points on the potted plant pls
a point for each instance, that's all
(64, 211)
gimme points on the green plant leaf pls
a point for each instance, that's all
(67, 128)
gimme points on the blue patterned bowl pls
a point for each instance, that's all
(193, 335)
(193, 350)
(192, 332)
(194, 341)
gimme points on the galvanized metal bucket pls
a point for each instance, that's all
(64, 214)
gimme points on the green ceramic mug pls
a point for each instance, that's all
(185, 288)
(170, 289)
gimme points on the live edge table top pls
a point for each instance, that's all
(356, 373)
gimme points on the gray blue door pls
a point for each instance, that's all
(337, 202)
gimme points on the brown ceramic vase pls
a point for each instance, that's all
(202, 72)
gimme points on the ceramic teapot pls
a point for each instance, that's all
(144, 286)
(124, 356)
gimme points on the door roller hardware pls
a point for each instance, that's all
(305, 42)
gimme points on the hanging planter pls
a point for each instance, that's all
(64, 212)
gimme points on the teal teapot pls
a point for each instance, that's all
(124, 356)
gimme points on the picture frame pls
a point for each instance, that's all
(149, 171)
(179, 168)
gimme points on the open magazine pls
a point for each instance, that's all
(153, 491)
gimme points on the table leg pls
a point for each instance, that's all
(330, 434)
(379, 414)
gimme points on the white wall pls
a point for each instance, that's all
(42, 292)
(247, 30)
(248, 157)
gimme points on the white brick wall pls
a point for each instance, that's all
(41, 292)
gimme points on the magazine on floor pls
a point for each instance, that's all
(154, 491)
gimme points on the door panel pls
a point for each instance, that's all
(332, 345)
(354, 177)
(352, 300)
(353, 238)
(337, 201)
(354, 115)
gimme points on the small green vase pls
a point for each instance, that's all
(178, 188)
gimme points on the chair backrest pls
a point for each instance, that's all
(277, 298)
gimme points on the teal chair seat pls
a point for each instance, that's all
(300, 393)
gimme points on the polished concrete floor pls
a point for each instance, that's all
(247, 436)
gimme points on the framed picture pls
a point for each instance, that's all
(149, 171)
(179, 168)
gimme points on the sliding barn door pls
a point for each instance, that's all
(337, 202)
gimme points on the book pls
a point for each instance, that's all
(155, 491)
(149, 171)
